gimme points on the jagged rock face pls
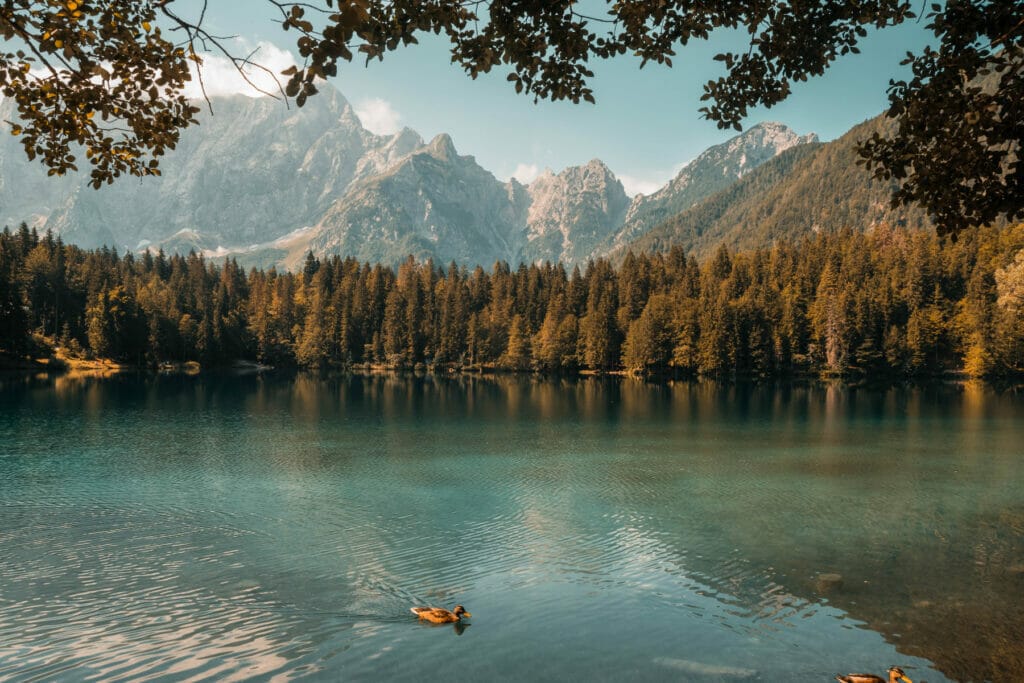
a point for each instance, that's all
(713, 170)
(251, 172)
(433, 203)
(266, 183)
(572, 212)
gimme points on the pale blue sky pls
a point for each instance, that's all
(645, 124)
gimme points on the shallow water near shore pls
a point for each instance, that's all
(271, 527)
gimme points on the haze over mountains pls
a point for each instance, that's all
(266, 184)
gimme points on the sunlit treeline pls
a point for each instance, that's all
(845, 303)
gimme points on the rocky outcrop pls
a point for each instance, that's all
(573, 212)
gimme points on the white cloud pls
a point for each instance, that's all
(634, 185)
(377, 116)
(526, 173)
(220, 77)
(649, 182)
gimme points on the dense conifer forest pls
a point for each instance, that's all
(887, 302)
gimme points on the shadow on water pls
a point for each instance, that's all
(458, 628)
(908, 500)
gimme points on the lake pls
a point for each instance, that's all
(272, 527)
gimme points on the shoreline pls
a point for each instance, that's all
(62, 366)
(51, 359)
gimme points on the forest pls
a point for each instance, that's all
(887, 302)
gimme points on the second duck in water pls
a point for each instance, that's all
(436, 615)
(895, 675)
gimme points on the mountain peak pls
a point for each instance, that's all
(442, 147)
(598, 167)
(572, 212)
(807, 188)
(349, 118)
(711, 171)
(770, 135)
(742, 153)
(405, 141)
(769, 126)
(332, 98)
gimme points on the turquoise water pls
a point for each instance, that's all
(269, 528)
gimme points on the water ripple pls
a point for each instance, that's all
(282, 531)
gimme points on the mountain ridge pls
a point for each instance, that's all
(799, 192)
(266, 183)
(711, 171)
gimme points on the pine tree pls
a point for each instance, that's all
(311, 350)
(651, 339)
(829, 322)
(599, 332)
(554, 346)
(394, 336)
(98, 326)
(451, 330)
(14, 326)
(517, 354)
(155, 343)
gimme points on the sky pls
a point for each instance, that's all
(645, 125)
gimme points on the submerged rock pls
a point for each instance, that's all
(828, 582)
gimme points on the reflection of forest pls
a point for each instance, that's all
(912, 495)
(926, 531)
(940, 576)
(921, 517)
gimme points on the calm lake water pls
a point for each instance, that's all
(269, 527)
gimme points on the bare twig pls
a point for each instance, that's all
(196, 32)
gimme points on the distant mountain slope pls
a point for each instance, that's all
(808, 188)
(713, 170)
(252, 172)
(435, 203)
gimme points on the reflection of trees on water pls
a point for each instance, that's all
(907, 493)
(927, 532)
(910, 494)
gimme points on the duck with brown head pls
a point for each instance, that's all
(895, 676)
(437, 615)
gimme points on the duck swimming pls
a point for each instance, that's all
(436, 615)
(895, 674)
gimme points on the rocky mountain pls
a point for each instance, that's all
(713, 170)
(253, 171)
(266, 183)
(572, 213)
(803, 190)
(433, 203)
